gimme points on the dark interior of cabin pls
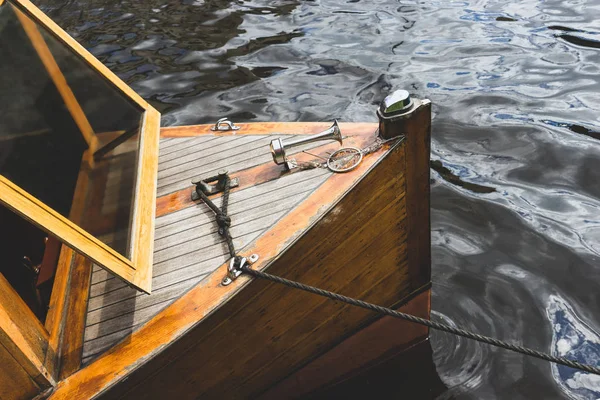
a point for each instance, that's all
(40, 144)
(24, 248)
(40, 150)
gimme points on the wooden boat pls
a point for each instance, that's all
(115, 278)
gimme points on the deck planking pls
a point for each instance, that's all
(187, 246)
(191, 161)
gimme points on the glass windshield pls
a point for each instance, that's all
(57, 111)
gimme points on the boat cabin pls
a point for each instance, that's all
(116, 278)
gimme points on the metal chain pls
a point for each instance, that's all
(421, 321)
(372, 148)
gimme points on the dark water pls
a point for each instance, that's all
(516, 150)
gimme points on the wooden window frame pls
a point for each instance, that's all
(38, 355)
(137, 271)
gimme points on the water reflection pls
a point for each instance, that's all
(174, 53)
(573, 338)
(515, 93)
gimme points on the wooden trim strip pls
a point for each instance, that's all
(207, 296)
(38, 15)
(20, 350)
(78, 270)
(20, 313)
(58, 323)
(41, 47)
(261, 128)
(75, 315)
(60, 287)
(56, 311)
(22, 334)
(142, 244)
(16, 382)
(250, 177)
(67, 231)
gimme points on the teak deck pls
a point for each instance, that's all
(187, 246)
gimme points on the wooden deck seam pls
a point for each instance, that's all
(229, 147)
(159, 288)
(313, 180)
(222, 256)
(301, 196)
(241, 215)
(235, 201)
(176, 143)
(184, 235)
(122, 315)
(212, 232)
(180, 255)
(251, 160)
(110, 310)
(234, 197)
(237, 198)
(157, 265)
(199, 149)
(220, 242)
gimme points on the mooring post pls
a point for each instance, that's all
(399, 115)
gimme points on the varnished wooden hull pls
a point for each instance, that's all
(411, 374)
(383, 340)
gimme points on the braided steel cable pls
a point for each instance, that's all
(421, 321)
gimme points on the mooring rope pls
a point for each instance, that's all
(224, 223)
(223, 220)
(421, 321)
